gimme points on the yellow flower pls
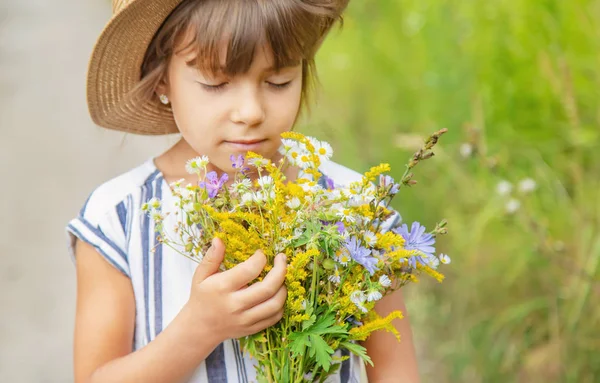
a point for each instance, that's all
(375, 171)
(378, 323)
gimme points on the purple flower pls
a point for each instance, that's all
(361, 254)
(388, 182)
(340, 227)
(213, 184)
(237, 162)
(417, 240)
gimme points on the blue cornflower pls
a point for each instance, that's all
(361, 254)
(213, 184)
(417, 240)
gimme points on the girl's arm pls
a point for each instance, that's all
(221, 306)
(395, 362)
(104, 325)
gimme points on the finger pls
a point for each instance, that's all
(265, 289)
(267, 308)
(211, 261)
(244, 273)
(267, 322)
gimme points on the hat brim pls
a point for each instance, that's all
(115, 68)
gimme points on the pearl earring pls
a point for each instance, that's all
(164, 99)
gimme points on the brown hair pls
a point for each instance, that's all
(293, 29)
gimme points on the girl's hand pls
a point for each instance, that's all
(224, 303)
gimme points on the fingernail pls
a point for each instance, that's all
(284, 258)
(214, 240)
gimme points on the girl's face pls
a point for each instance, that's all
(220, 115)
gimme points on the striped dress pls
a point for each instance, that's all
(111, 221)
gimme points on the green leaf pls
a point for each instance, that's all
(299, 342)
(358, 350)
(321, 350)
(326, 325)
(307, 323)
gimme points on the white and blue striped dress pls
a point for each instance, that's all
(111, 220)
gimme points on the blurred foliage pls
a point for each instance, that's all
(517, 83)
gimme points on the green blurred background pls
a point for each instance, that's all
(517, 84)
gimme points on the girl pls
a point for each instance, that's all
(229, 76)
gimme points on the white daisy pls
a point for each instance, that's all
(247, 199)
(370, 238)
(374, 295)
(241, 186)
(265, 181)
(344, 258)
(385, 281)
(445, 259)
(194, 165)
(294, 203)
(258, 162)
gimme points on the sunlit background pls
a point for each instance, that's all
(516, 83)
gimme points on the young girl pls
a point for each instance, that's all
(230, 76)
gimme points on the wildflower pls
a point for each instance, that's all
(504, 188)
(361, 254)
(335, 277)
(527, 185)
(247, 198)
(194, 165)
(388, 182)
(213, 184)
(466, 150)
(340, 227)
(512, 206)
(265, 181)
(444, 259)
(370, 238)
(322, 148)
(374, 295)
(358, 298)
(241, 186)
(385, 281)
(237, 162)
(344, 257)
(258, 162)
(416, 239)
(293, 204)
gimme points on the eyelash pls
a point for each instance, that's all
(221, 87)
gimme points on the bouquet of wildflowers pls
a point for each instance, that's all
(346, 249)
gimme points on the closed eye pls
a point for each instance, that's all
(279, 86)
(214, 88)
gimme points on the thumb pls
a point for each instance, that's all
(211, 261)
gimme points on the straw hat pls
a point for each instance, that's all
(115, 68)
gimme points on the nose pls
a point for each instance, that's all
(250, 109)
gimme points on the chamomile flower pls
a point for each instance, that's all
(445, 259)
(359, 298)
(265, 181)
(373, 295)
(335, 277)
(370, 238)
(194, 165)
(258, 162)
(343, 257)
(294, 203)
(241, 186)
(385, 281)
(247, 199)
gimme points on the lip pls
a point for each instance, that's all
(246, 144)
